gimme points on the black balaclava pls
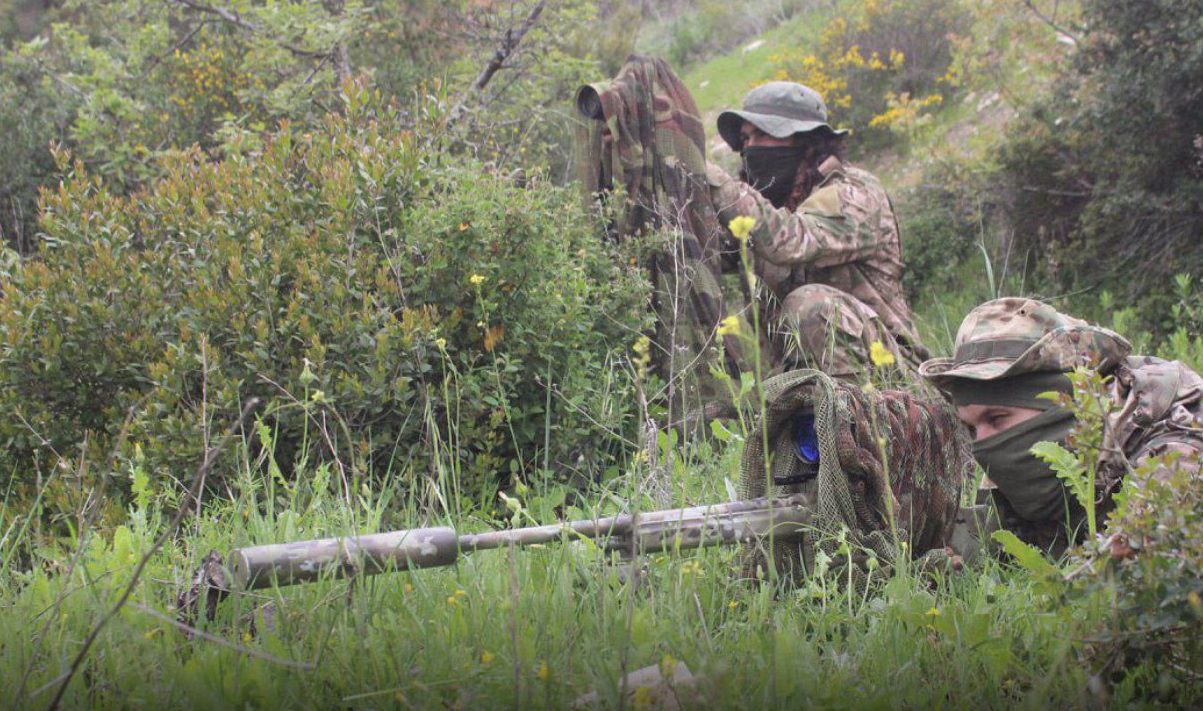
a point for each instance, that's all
(773, 169)
(1029, 485)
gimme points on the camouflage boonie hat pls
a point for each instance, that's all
(780, 109)
(1012, 336)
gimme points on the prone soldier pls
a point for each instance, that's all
(1007, 353)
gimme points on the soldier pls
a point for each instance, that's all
(825, 240)
(1008, 352)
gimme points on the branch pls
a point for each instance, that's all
(1051, 22)
(234, 18)
(507, 48)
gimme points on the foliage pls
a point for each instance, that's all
(1147, 564)
(698, 30)
(881, 66)
(1106, 175)
(381, 299)
(124, 83)
(941, 224)
(532, 628)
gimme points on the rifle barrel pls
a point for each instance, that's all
(649, 532)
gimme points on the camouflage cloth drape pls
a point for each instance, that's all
(643, 139)
(881, 453)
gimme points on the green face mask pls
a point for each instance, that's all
(1029, 484)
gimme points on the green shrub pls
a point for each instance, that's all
(881, 66)
(1106, 175)
(391, 307)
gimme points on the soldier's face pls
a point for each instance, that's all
(753, 137)
(986, 420)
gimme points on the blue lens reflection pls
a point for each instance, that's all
(807, 440)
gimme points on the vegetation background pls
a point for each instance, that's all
(359, 214)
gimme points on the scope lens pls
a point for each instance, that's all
(806, 440)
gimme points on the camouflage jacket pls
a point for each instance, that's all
(843, 235)
(1158, 409)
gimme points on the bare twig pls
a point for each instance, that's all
(509, 45)
(234, 18)
(1051, 22)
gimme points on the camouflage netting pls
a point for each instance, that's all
(871, 444)
(644, 136)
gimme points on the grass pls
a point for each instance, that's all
(511, 628)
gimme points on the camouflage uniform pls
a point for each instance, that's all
(1158, 404)
(833, 268)
(645, 136)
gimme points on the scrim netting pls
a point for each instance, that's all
(879, 451)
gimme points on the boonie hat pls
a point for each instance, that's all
(1007, 337)
(780, 109)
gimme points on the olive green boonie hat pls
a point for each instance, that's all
(1013, 336)
(780, 109)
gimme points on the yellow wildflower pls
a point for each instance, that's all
(934, 612)
(733, 604)
(476, 279)
(486, 657)
(741, 227)
(453, 601)
(408, 588)
(440, 343)
(729, 326)
(880, 355)
(543, 672)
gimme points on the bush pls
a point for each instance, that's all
(1106, 175)
(941, 224)
(389, 306)
(880, 66)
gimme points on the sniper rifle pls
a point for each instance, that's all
(628, 534)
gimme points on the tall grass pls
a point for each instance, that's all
(512, 628)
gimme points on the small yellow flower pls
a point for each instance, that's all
(880, 355)
(543, 672)
(486, 657)
(733, 604)
(476, 279)
(741, 227)
(453, 601)
(408, 588)
(440, 343)
(729, 326)
(934, 612)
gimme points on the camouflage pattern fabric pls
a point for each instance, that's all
(644, 138)
(845, 236)
(1158, 403)
(1014, 335)
(891, 467)
(822, 327)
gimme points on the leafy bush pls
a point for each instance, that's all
(940, 221)
(391, 307)
(880, 66)
(1106, 175)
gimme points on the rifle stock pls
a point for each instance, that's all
(629, 534)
